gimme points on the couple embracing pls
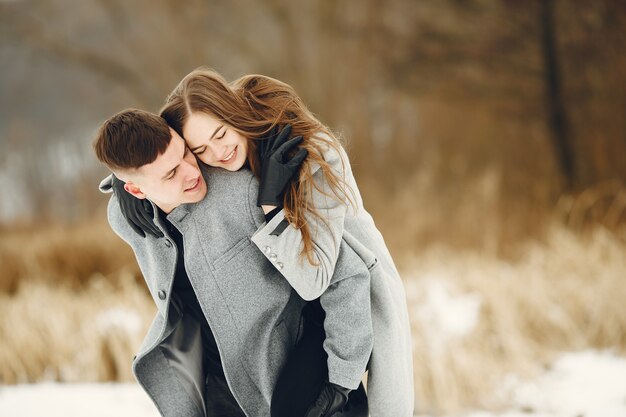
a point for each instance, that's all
(275, 291)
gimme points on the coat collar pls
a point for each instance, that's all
(179, 213)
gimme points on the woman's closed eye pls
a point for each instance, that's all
(202, 149)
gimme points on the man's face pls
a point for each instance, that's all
(171, 180)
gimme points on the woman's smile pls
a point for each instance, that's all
(230, 156)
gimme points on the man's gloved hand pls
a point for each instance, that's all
(277, 170)
(331, 399)
(137, 212)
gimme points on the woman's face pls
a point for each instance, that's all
(215, 143)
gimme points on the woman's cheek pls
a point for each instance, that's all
(204, 159)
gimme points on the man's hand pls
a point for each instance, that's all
(277, 169)
(137, 212)
(331, 399)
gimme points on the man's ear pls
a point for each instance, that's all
(134, 190)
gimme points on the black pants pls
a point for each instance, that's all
(306, 369)
(220, 401)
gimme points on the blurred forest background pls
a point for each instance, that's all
(488, 138)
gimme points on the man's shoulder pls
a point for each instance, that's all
(114, 214)
(226, 187)
(220, 179)
(117, 221)
(229, 194)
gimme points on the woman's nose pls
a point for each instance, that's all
(217, 151)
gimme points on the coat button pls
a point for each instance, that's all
(268, 250)
(279, 265)
(168, 243)
(273, 256)
(162, 295)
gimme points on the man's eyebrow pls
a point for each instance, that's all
(212, 136)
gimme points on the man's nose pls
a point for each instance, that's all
(190, 169)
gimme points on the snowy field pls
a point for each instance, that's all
(589, 384)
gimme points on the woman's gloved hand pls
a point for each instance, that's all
(137, 212)
(331, 399)
(277, 169)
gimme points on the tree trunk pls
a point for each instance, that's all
(555, 106)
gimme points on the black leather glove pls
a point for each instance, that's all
(268, 141)
(137, 212)
(331, 399)
(277, 170)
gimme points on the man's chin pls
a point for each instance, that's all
(199, 197)
(199, 194)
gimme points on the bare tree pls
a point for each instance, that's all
(555, 105)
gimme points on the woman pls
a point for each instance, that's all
(231, 126)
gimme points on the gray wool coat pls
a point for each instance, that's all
(253, 311)
(390, 378)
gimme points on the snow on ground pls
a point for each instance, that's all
(444, 315)
(589, 384)
(75, 400)
(121, 318)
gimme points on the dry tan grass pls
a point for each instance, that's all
(53, 333)
(73, 307)
(562, 295)
(72, 304)
(67, 256)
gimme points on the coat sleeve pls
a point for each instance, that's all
(282, 243)
(348, 322)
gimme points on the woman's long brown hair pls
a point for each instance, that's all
(253, 105)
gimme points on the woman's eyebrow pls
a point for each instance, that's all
(212, 136)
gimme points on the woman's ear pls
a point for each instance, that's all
(134, 190)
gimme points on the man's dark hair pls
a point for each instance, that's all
(130, 139)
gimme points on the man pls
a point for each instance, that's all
(227, 320)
